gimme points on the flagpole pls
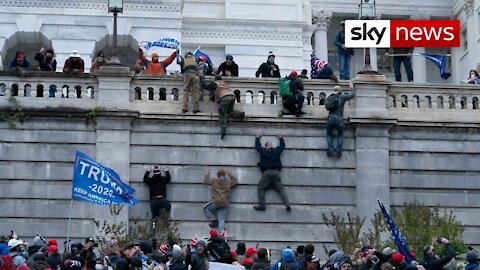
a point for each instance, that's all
(69, 224)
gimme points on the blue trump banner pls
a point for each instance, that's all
(168, 43)
(95, 183)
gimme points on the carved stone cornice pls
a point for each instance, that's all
(468, 6)
(321, 18)
(241, 34)
(130, 5)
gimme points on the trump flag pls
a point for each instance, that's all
(95, 183)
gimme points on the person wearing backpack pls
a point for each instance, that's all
(287, 261)
(335, 104)
(293, 103)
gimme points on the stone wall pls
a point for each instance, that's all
(397, 153)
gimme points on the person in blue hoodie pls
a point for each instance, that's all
(472, 259)
(270, 165)
(287, 261)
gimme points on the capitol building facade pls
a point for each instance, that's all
(246, 29)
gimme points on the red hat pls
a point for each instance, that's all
(234, 254)
(52, 242)
(52, 248)
(213, 233)
(414, 256)
(398, 258)
(20, 55)
(250, 252)
(194, 242)
(293, 74)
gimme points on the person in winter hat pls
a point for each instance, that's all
(178, 258)
(287, 261)
(472, 259)
(269, 69)
(216, 209)
(99, 61)
(157, 185)
(228, 68)
(46, 59)
(199, 260)
(156, 67)
(321, 69)
(294, 103)
(19, 63)
(74, 64)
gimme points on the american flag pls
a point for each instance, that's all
(396, 234)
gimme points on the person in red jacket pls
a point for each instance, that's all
(154, 67)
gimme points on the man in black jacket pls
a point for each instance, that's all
(270, 165)
(157, 185)
(430, 262)
(268, 69)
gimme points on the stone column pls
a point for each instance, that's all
(372, 126)
(419, 63)
(113, 87)
(321, 19)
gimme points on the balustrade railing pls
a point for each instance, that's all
(47, 85)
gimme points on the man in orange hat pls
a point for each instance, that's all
(155, 67)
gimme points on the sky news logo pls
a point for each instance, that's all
(402, 33)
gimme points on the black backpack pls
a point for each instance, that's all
(333, 102)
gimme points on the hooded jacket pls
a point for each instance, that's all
(178, 256)
(270, 159)
(44, 63)
(199, 262)
(221, 190)
(287, 261)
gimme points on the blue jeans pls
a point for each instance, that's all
(344, 64)
(397, 61)
(333, 122)
(215, 212)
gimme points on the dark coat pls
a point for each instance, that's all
(296, 84)
(157, 183)
(432, 263)
(198, 262)
(266, 71)
(270, 159)
(14, 66)
(216, 248)
(46, 64)
(178, 266)
(233, 68)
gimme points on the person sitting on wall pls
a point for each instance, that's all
(155, 67)
(473, 77)
(157, 185)
(46, 59)
(98, 62)
(19, 63)
(228, 68)
(74, 64)
(226, 100)
(321, 69)
(294, 103)
(269, 69)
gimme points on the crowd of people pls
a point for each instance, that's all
(202, 253)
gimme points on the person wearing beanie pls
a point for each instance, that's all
(99, 61)
(228, 68)
(74, 64)
(430, 261)
(344, 54)
(287, 261)
(156, 67)
(270, 164)
(398, 261)
(46, 59)
(178, 259)
(472, 259)
(217, 247)
(19, 63)
(335, 104)
(226, 100)
(269, 69)
(294, 103)
(321, 69)
(54, 259)
(199, 260)
(191, 81)
(216, 209)
(157, 186)
(249, 258)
